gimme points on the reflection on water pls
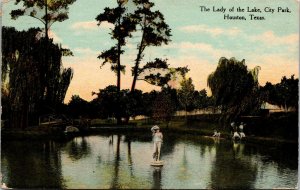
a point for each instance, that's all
(123, 161)
(240, 170)
(31, 164)
(156, 170)
(78, 148)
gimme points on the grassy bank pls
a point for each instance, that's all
(192, 127)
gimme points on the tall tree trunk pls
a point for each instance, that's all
(119, 59)
(118, 115)
(285, 107)
(119, 68)
(135, 71)
(138, 59)
(137, 63)
(185, 113)
(46, 20)
(136, 67)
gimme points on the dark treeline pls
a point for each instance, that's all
(160, 105)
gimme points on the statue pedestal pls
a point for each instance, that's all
(157, 163)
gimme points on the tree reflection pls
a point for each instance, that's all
(27, 168)
(284, 154)
(115, 179)
(183, 174)
(156, 177)
(232, 169)
(78, 148)
(130, 163)
(168, 144)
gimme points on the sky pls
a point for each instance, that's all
(199, 40)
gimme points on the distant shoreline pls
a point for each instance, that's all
(7, 135)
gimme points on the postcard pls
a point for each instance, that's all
(149, 94)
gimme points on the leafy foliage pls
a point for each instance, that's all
(233, 87)
(113, 102)
(46, 11)
(283, 94)
(158, 72)
(155, 32)
(78, 107)
(186, 93)
(123, 27)
(201, 100)
(163, 107)
(31, 85)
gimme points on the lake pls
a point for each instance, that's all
(123, 161)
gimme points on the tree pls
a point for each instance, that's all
(134, 104)
(155, 32)
(186, 94)
(148, 99)
(78, 107)
(159, 73)
(108, 100)
(54, 80)
(283, 94)
(22, 62)
(123, 26)
(201, 100)
(288, 92)
(163, 107)
(46, 11)
(232, 87)
(112, 102)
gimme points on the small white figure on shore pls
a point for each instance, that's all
(241, 128)
(157, 140)
(242, 134)
(232, 128)
(3, 186)
(236, 135)
(216, 134)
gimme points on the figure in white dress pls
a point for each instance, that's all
(157, 140)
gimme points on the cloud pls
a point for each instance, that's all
(86, 51)
(273, 67)
(90, 26)
(201, 48)
(209, 30)
(5, 1)
(270, 38)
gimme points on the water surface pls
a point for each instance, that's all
(123, 161)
